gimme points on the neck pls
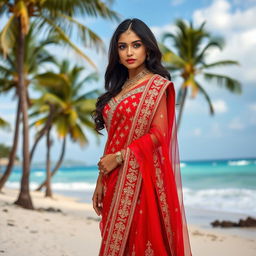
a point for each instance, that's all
(135, 71)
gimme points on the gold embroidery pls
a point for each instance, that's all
(149, 251)
(120, 218)
(113, 104)
(133, 251)
(162, 197)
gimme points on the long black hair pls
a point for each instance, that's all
(116, 73)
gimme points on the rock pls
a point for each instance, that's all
(50, 209)
(93, 218)
(248, 222)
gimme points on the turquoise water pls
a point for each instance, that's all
(228, 185)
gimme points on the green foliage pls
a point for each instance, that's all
(55, 17)
(35, 57)
(4, 124)
(64, 99)
(188, 59)
(5, 151)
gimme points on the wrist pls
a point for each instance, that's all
(99, 180)
(123, 151)
(119, 157)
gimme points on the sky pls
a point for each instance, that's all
(231, 132)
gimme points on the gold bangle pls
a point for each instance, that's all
(119, 157)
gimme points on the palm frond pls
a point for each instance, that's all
(208, 99)
(66, 40)
(78, 135)
(77, 7)
(220, 63)
(214, 43)
(4, 124)
(7, 36)
(229, 83)
(85, 34)
(170, 57)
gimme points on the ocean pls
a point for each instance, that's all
(227, 186)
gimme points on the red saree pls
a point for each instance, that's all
(143, 212)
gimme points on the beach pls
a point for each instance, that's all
(70, 228)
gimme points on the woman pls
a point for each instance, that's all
(138, 191)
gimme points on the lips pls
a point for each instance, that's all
(130, 61)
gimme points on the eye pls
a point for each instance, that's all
(121, 46)
(137, 45)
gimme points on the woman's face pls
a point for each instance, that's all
(132, 52)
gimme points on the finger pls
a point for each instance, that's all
(95, 206)
(100, 200)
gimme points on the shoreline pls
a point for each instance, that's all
(195, 216)
(74, 230)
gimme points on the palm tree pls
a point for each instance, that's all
(4, 153)
(36, 56)
(4, 124)
(188, 60)
(64, 102)
(53, 15)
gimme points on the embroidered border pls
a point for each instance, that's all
(129, 184)
(163, 203)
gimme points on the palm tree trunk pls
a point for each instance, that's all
(58, 164)
(24, 198)
(12, 155)
(48, 192)
(182, 104)
(42, 132)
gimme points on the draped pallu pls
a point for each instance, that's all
(143, 212)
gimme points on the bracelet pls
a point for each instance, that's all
(119, 158)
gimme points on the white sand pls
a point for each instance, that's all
(75, 232)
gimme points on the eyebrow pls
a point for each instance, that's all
(136, 41)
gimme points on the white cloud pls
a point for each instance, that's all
(219, 16)
(220, 106)
(238, 29)
(177, 2)
(236, 124)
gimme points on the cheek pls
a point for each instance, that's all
(142, 54)
(121, 55)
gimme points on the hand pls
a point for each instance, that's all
(107, 163)
(97, 198)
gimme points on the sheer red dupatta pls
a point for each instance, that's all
(165, 200)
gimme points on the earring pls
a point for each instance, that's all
(148, 58)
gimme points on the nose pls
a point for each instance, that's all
(129, 51)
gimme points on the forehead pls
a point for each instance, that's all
(128, 37)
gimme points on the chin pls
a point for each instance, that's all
(132, 66)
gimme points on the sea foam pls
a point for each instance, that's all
(230, 199)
